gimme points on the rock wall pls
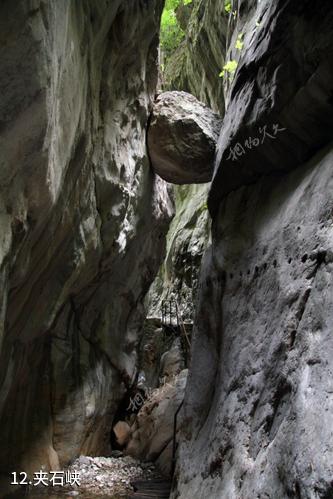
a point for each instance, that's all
(197, 63)
(279, 101)
(258, 403)
(187, 240)
(82, 220)
(258, 414)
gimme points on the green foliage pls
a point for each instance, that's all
(171, 4)
(227, 6)
(239, 42)
(229, 69)
(171, 32)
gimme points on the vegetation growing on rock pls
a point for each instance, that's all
(172, 28)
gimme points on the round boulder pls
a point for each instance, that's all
(182, 138)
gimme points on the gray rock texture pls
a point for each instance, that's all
(258, 413)
(160, 354)
(172, 361)
(259, 400)
(187, 239)
(82, 220)
(182, 138)
(279, 107)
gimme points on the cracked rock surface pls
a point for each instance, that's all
(284, 79)
(259, 400)
(82, 220)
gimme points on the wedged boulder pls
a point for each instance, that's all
(182, 138)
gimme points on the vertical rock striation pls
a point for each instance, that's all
(82, 219)
(187, 240)
(197, 63)
(258, 405)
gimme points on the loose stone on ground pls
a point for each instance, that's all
(106, 476)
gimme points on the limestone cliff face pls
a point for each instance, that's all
(258, 410)
(187, 240)
(82, 219)
(258, 405)
(279, 101)
(196, 65)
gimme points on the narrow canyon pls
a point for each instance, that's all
(166, 249)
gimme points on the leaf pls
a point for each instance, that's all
(171, 33)
(239, 42)
(231, 66)
(227, 6)
(171, 4)
(229, 69)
